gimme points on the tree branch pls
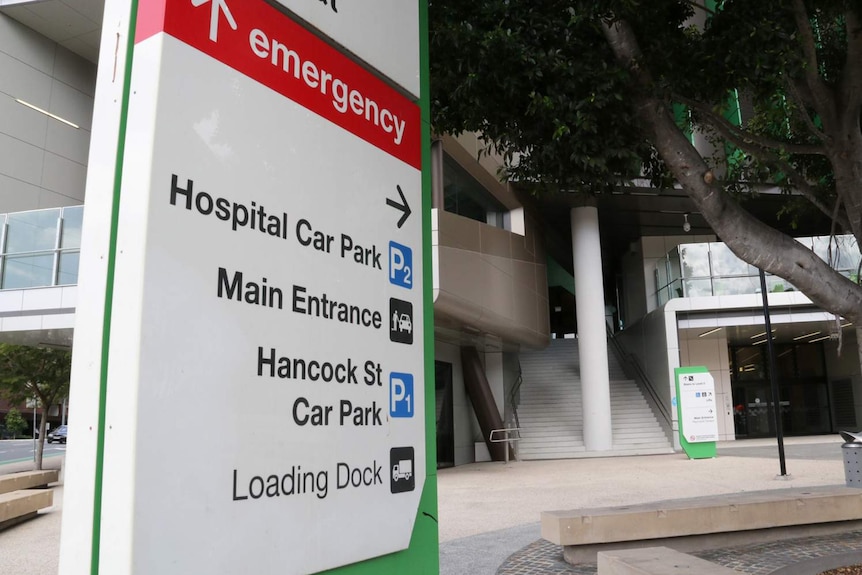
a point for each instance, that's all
(804, 188)
(822, 98)
(740, 138)
(725, 126)
(809, 44)
(748, 238)
(802, 113)
(832, 228)
(851, 76)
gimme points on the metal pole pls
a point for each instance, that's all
(63, 414)
(34, 430)
(776, 396)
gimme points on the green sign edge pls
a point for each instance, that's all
(704, 450)
(95, 544)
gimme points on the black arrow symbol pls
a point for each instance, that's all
(403, 207)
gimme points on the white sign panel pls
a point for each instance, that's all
(265, 397)
(381, 32)
(699, 409)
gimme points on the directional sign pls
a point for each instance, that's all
(698, 417)
(371, 29)
(217, 8)
(265, 392)
(402, 207)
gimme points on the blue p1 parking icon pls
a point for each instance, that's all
(400, 265)
(401, 402)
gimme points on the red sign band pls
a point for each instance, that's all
(260, 42)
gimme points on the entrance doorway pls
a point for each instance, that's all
(444, 414)
(804, 404)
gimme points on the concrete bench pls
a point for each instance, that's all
(22, 495)
(28, 480)
(704, 522)
(657, 561)
(19, 506)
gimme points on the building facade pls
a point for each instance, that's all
(563, 317)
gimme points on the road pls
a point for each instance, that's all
(16, 450)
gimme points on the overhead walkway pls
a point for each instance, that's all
(39, 256)
(38, 316)
(550, 409)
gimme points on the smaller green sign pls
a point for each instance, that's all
(697, 411)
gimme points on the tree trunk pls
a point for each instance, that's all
(846, 159)
(40, 445)
(751, 240)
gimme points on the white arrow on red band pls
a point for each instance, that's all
(217, 6)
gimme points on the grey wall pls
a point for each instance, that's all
(490, 280)
(634, 285)
(647, 340)
(43, 162)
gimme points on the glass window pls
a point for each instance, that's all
(725, 263)
(695, 260)
(736, 286)
(821, 245)
(661, 278)
(68, 272)
(32, 231)
(698, 288)
(72, 220)
(809, 360)
(28, 271)
(673, 263)
(776, 284)
(465, 196)
(675, 288)
(845, 252)
(662, 296)
(848, 253)
(732, 276)
(785, 361)
(748, 363)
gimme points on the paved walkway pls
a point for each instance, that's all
(33, 547)
(489, 512)
(541, 557)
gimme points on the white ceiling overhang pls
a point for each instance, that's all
(74, 24)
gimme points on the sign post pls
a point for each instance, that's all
(697, 412)
(257, 401)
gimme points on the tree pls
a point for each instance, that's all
(28, 373)
(14, 422)
(587, 95)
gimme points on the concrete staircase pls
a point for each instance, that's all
(550, 409)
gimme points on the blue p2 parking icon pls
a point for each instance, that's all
(400, 265)
(401, 399)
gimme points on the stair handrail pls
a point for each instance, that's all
(507, 438)
(515, 396)
(631, 361)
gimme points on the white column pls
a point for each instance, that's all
(592, 335)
